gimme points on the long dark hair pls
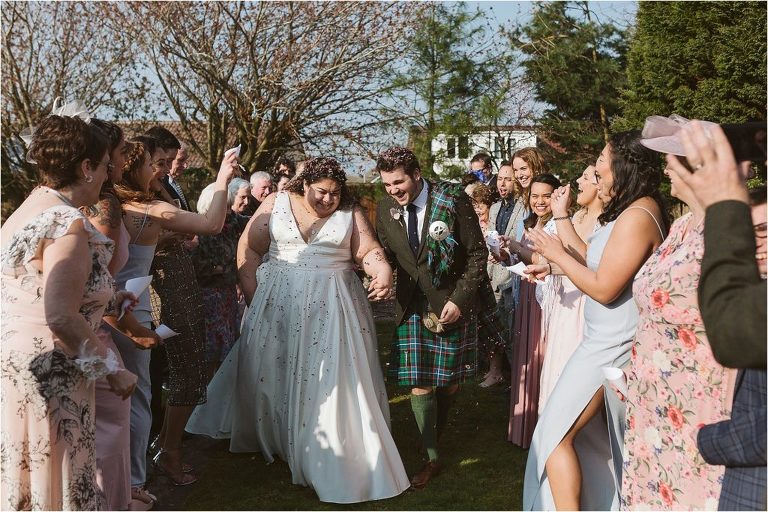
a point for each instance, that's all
(547, 179)
(636, 173)
(319, 168)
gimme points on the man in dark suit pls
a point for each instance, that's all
(432, 235)
(732, 299)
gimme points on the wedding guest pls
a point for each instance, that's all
(284, 171)
(561, 473)
(732, 297)
(56, 286)
(504, 216)
(216, 270)
(261, 187)
(145, 218)
(674, 382)
(481, 166)
(562, 307)
(527, 346)
(492, 333)
(113, 415)
(238, 196)
(307, 358)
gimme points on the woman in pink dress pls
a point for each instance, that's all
(675, 385)
(55, 287)
(527, 351)
(562, 320)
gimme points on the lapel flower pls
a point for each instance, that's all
(396, 213)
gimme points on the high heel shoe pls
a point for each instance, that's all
(178, 478)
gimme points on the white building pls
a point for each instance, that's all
(499, 142)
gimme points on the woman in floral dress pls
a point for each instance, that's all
(675, 384)
(55, 286)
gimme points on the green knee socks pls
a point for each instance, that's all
(425, 411)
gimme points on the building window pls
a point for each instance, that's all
(511, 147)
(451, 150)
(498, 148)
(463, 147)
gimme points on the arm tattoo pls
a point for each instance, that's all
(108, 212)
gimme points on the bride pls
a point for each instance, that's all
(304, 381)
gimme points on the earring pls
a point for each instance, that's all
(88, 178)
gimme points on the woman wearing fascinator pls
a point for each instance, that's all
(56, 286)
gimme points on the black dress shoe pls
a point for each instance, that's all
(427, 473)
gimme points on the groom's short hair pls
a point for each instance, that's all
(398, 157)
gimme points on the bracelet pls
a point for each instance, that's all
(566, 217)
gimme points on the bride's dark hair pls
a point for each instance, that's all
(320, 168)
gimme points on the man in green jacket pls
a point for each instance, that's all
(432, 236)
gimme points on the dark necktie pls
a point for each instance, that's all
(413, 228)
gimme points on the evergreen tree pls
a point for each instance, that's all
(448, 68)
(703, 60)
(576, 66)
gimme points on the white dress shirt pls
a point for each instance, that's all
(421, 208)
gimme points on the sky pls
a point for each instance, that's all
(507, 13)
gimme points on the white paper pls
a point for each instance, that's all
(519, 269)
(165, 332)
(136, 286)
(616, 377)
(493, 242)
(235, 150)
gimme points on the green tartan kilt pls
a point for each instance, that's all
(420, 357)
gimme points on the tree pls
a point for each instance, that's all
(703, 60)
(576, 66)
(55, 49)
(272, 76)
(437, 87)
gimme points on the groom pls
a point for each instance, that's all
(432, 235)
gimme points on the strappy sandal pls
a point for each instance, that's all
(179, 478)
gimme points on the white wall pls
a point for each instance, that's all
(479, 143)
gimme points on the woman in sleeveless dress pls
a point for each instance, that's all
(55, 286)
(575, 458)
(145, 217)
(562, 322)
(113, 461)
(303, 382)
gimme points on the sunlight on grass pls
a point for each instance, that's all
(399, 398)
(468, 462)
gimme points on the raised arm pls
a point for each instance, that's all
(253, 245)
(368, 253)
(173, 218)
(634, 238)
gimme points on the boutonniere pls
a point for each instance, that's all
(396, 214)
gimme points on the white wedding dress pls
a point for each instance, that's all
(304, 381)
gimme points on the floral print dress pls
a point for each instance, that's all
(675, 384)
(47, 458)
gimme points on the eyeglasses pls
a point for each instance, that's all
(760, 230)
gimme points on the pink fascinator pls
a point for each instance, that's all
(662, 133)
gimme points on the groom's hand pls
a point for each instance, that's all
(450, 314)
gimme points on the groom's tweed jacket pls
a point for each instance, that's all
(466, 274)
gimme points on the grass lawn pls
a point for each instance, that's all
(483, 471)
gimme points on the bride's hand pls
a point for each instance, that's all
(380, 287)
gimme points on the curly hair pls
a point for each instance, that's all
(637, 173)
(547, 179)
(536, 165)
(130, 189)
(320, 168)
(287, 162)
(60, 144)
(398, 158)
(482, 194)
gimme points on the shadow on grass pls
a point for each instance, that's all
(483, 471)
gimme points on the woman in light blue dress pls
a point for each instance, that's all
(575, 458)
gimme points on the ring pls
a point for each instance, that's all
(698, 167)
